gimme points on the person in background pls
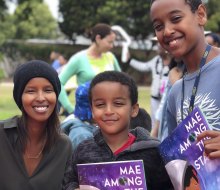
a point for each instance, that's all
(91, 61)
(62, 61)
(213, 39)
(69, 85)
(142, 119)
(114, 100)
(176, 72)
(33, 150)
(80, 126)
(54, 58)
(158, 65)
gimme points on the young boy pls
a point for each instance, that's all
(113, 98)
(180, 30)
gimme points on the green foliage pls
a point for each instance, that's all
(33, 20)
(133, 16)
(79, 16)
(7, 28)
(213, 23)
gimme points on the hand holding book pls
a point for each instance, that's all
(212, 145)
(194, 142)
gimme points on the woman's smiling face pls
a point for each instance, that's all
(39, 99)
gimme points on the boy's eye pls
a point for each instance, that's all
(119, 104)
(99, 105)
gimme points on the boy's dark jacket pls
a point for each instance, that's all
(144, 148)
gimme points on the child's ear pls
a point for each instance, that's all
(135, 109)
(202, 15)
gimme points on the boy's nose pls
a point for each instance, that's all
(108, 109)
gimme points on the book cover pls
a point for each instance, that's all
(185, 162)
(119, 175)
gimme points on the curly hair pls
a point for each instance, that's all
(116, 76)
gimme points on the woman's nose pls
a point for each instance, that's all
(40, 96)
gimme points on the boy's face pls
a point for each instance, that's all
(177, 28)
(111, 107)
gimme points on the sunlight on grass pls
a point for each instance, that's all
(8, 107)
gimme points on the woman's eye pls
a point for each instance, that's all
(29, 91)
(49, 90)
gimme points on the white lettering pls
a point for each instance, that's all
(185, 145)
(130, 170)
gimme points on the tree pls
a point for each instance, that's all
(6, 23)
(8, 28)
(133, 16)
(33, 20)
(79, 16)
(213, 23)
(2, 9)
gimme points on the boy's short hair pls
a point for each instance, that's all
(116, 76)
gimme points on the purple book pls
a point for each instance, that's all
(118, 175)
(184, 156)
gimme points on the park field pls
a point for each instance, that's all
(8, 108)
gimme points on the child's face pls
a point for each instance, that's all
(177, 28)
(111, 107)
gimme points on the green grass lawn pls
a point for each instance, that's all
(8, 108)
